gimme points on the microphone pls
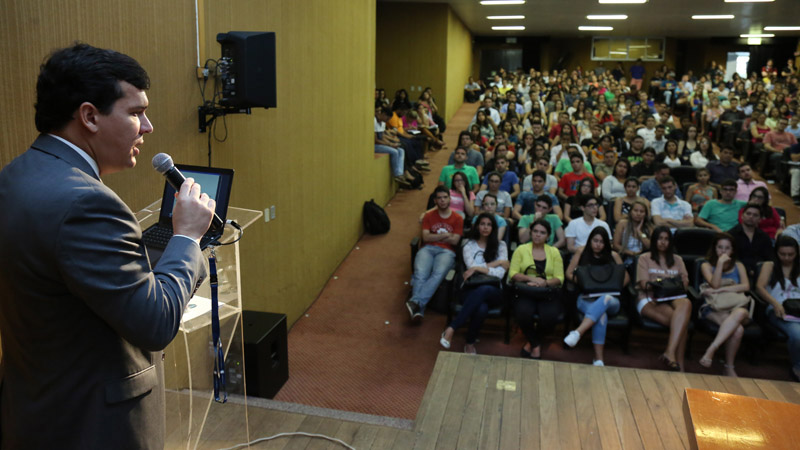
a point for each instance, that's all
(163, 164)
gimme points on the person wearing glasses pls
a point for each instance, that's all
(578, 230)
(723, 214)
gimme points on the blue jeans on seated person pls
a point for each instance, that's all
(430, 267)
(792, 329)
(599, 310)
(396, 158)
(477, 302)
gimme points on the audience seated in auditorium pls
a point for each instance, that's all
(746, 184)
(538, 266)
(661, 263)
(645, 169)
(483, 254)
(577, 232)
(441, 232)
(489, 206)
(623, 205)
(724, 274)
(385, 143)
(651, 188)
(669, 210)
(572, 209)
(780, 281)
(613, 186)
(752, 243)
(699, 193)
(568, 186)
(771, 221)
(474, 156)
(596, 309)
(525, 203)
(604, 157)
(632, 233)
(544, 210)
(460, 165)
(774, 143)
(504, 200)
(635, 154)
(550, 184)
(724, 168)
(723, 214)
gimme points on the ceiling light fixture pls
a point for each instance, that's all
(757, 35)
(606, 17)
(712, 16)
(515, 27)
(504, 17)
(621, 2)
(592, 28)
(781, 28)
(748, 1)
(503, 2)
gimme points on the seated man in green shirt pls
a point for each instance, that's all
(723, 214)
(544, 209)
(460, 158)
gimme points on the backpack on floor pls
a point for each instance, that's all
(375, 219)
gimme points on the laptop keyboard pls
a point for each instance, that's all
(159, 236)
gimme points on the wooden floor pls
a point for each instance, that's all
(492, 402)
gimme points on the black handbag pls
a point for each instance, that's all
(480, 279)
(792, 306)
(537, 292)
(666, 288)
(600, 279)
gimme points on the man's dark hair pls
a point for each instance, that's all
(657, 167)
(755, 206)
(667, 179)
(573, 155)
(462, 134)
(729, 182)
(727, 147)
(584, 199)
(637, 137)
(648, 150)
(461, 148)
(661, 125)
(744, 164)
(544, 199)
(441, 189)
(540, 174)
(386, 110)
(78, 74)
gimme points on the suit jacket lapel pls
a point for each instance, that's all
(53, 146)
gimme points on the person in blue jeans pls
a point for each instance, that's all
(778, 283)
(596, 309)
(483, 253)
(441, 232)
(385, 144)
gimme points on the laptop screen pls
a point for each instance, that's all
(215, 182)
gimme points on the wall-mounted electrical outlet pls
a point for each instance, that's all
(272, 212)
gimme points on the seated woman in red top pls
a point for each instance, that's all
(771, 222)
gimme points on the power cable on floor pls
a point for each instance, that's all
(297, 433)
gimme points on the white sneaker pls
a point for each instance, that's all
(572, 338)
(598, 363)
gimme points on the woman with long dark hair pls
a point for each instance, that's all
(596, 310)
(483, 254)
(537, 265)
(703, 155)
(485, 124)
(572, 209)
(724, 273)
(614, 184)
(778, 282)
(660, 263)
(632, 234)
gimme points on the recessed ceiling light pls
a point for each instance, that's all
(712, 16)
(504, 17)
(621, 2)
(515, 27)
(781, 28)
(591, 28)
(503, 2)
(607, 17)
(748, 1)
(756, 35)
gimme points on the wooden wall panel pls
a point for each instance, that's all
(412, 49)
(459, 62)
(311, 157)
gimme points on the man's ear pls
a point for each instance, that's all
(87, 116)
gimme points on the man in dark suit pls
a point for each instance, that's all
(82, 314)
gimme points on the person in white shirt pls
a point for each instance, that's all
(669, 210)
(578, 230)
(493, 113)
(649, 132)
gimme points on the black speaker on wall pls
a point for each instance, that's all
(265, 352)
(247, 69)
